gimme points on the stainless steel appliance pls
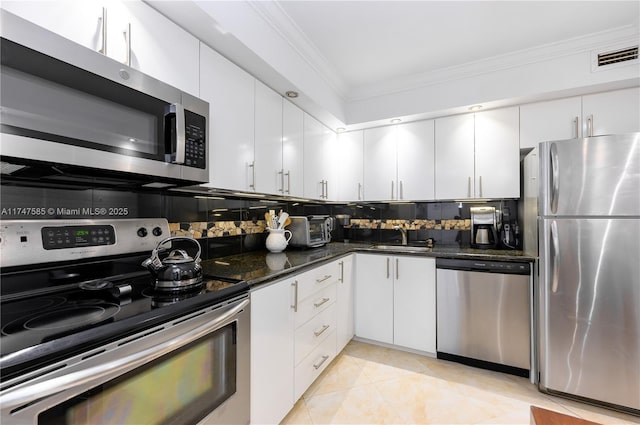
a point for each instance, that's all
(483, 227)
(484, 314)
(310, 231)
(87, 338)
(70, 114)
(589, 240)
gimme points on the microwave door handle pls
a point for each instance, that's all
(181, 143)
(102, 372)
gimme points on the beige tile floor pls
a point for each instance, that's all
(367, 384)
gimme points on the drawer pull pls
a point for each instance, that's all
(324, 359)
(327, 276)
(294, 306)
(322, 301)
(321, 331)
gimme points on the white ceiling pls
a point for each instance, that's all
(365, 44)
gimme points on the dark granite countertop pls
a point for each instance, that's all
(262, 266)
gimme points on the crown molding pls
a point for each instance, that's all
(627, 34)
(276, 17)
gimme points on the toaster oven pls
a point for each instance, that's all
(310, 231)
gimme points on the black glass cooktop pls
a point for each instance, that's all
(52, 312)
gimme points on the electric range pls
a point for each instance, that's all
(68, 286)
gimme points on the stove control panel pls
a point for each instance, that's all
(26, 242)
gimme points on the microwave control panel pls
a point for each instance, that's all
(195, 142)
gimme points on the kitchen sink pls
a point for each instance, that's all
(403, 248)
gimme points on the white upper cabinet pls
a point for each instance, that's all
(268, 140)
(380, 163)
(478, 155)
(454, 157)
(319, 172)
(398, 162)
(350, 166)
(136, 35)
(497, 154)
(230, 93)
(614, 112)
(416, 142)
(552, 120)
(292, 149)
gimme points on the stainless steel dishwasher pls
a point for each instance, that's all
(484, 314)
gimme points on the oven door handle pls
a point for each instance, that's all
(19, 396)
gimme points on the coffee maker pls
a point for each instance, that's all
(484, 227)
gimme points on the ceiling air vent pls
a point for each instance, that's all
(617, 56)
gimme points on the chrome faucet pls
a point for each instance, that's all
(404, 233)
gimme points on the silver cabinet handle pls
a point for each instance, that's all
(391, 189)
(388, 259)
(359, 191)
(555, 181)
(252, 165)
(480, 186)
(294, 306)
(324, 359)
(326, 194)
(288, 174)
(127, 40)
(281, 174)
(397, 268)
(181, 142)
(590, 126)
(341, 280)
(469, 188)
(103, 31)
(401, 190)
(112, 369)
(322, 279)
(322, 301)
(577, 122)
(322, 330)
(555, 244)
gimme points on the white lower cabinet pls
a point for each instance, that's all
(294, 325)
(272, 352)
(345, 299)
(395, 300)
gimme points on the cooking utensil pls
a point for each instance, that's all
(287, 222)
(282, 219)
(178, 271)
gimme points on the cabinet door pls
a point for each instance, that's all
(230, 93)
(77, 20)
(292, 148)
(159, 47)
(374, 298)
(614, 112)
(553, 120)
(380, 163)
(272, 353)
(268, 140)
(497, 166)
(414, 300)
(454, 157)
(345, 302)
(314, 186)
(350, 165)
(329, 164)
(416, 161)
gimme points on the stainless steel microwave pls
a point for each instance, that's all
(69, 113)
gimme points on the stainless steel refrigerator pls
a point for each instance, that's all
(589, 280)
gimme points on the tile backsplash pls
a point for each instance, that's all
(228, 226)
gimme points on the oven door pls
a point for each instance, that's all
(192, 370)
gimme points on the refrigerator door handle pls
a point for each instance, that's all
(555, 256)
(555, 185)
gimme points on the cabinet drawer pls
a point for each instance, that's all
(316, 279)
(314, 304)
(314, 332)
(313, 365)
